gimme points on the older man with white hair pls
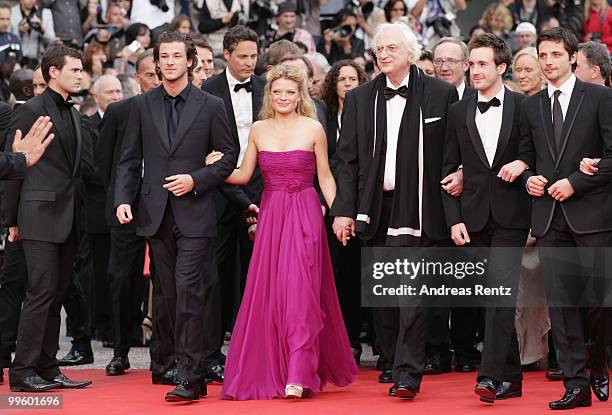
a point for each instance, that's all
(106, 90)
(389, 164)
(526, 35)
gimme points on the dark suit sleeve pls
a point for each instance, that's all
(221, 140)
(88, 137)
(583, 183)
(346, 161)
(208, 24)
(23, 119)
(11, 164)
(526, 148)
(5, 122)
(450, 164)
(129, 168)
(103, 154)
(236, 195)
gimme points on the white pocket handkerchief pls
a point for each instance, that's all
(428, 120)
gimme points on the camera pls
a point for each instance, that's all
(33, 25)
(160, 4)
(239, 18)
(441, 25)
(343, 31)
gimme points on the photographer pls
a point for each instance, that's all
(10, 45)
(217, 16)
(597, 23)
(66, 20)
(286, 19)
(153, 13)
(438, 19)
(35, 28)
(340, 42)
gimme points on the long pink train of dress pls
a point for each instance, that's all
(289, 329)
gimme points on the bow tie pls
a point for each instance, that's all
(248, 87)
(401, 91)
(484, 106)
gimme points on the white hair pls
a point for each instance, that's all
(319, 60)
(97, 85)
(410, 39)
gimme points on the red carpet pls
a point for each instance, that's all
(133, 394)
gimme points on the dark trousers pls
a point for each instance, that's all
(13, 283)
(567, 326)
(182, 264)
(459, 337)
(102, 320)
(49, 274)
(125, 267)
(233, 252)
(500, 355)
(346, 261)
(162, 339)
(400, 331)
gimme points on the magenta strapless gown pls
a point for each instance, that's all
(289, 329)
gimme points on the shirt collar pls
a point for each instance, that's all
(100, 113)
(499, 95)
(566, 88)
(231, 81)
(57, 97)
(183, 94)
(461, 90)
(404, 82)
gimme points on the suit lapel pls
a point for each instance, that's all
(381, 118)
(51, 109)
(506, 126)
(572, 111)
(74, 116)
(155, 100)
(192, 108)
(470, 121)
(546, 119)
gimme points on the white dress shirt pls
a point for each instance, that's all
(242, 103)
(395, 110)
(489, 125)
(461, 90)
(100, 113)
(566, 94)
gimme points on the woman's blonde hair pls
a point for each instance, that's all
(497, 9)
(532, 52)
(305, 105)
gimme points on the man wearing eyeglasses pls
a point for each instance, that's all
(450, 60)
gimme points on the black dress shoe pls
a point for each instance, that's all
(554, 374)
(600, 386)
(166, 378)
(486, 388)
(432, 368)
(215, 373)
(184, 391)
(509, 390)
(67, 383)
(465, 367)
(33, 383)
(203, 389)
(386, 376)
(572, 398)
(404, 390)
(118, 366)
(77, 357)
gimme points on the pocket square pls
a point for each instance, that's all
(428, 120)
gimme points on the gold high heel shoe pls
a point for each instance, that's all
(293, 392)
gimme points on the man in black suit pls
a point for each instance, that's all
(127, 249)
(559, 127)
(172, 128)
(43, 213)
(482, 136)
(242, 94)
(389, 166)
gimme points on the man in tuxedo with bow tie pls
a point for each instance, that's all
(389, 168)
(242, 94)
(482, 136)
(560, 126)
(43, 210)
(172, 128)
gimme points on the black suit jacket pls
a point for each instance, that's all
(483, 192)
(95, 121)
(587, 132)
(94, 186)
(203, 127)
(113, 128)
(11, 165)
(45, 203)
(468, 91)
(242, 196)
(353, 158)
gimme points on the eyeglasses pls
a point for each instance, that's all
(389, 48)
(450, 62)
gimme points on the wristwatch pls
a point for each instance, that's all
(27, 158)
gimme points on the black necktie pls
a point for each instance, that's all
(173, 121)
(402, 91)
(557, 120)
(248, 87)
(484, 106)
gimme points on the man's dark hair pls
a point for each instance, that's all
(426, 55)
(203, 43)
(597, 55)
(177, 37)
(279, 49)
(345, 14)
(56, 56)
(238, 34)
(501, 49)
(560, 34)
